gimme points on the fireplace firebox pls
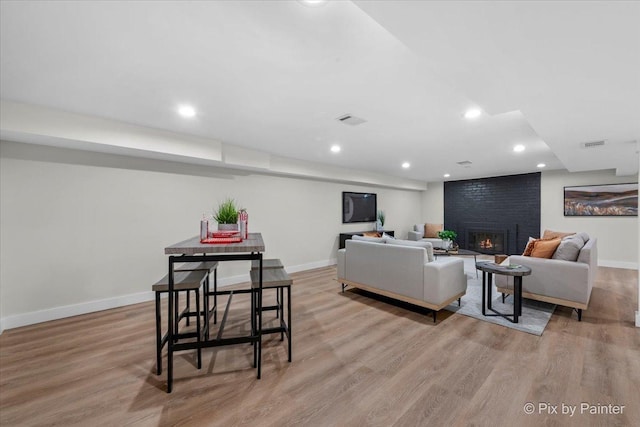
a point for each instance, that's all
(487, 241)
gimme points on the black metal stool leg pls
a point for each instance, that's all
(280, 297)
(198, 330)
(188, 306)
(158, 336)
(289, 335)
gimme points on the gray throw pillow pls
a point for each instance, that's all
(569, 249)
(584, 236)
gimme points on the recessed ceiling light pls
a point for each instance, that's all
(446, 175)
(312, 3)
(406, 165)
(541, 165)
(473, 113)
(335, 148)
(518, 148)
(186, 111)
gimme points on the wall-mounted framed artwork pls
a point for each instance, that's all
(601, 200)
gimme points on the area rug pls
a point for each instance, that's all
(535, 314)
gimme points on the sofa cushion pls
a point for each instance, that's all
(420, 229)
(569, 248)
(368, 239)
(431, 230)
(545, 248)
(427, 245)
(548, 234)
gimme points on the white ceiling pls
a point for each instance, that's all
(274, 76)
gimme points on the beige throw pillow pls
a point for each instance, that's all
(548, 234)
(431, 230)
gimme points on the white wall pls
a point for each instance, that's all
(617, 242)
(433, 203)
(84, 231)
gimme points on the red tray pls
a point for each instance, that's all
(215, 240)
(231, 233)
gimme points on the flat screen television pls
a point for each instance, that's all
(359, 207)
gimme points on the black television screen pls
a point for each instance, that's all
(359, 207)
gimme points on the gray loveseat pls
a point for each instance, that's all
(417, 234)
(557, 281)
(402, 270)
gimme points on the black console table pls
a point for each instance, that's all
(346, 236)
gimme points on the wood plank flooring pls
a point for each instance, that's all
(356, 361)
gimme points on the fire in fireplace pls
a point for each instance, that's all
(487, 242)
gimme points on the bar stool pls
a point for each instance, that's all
(269, 264)
(274, 277)
(210, 267)
(185, 281)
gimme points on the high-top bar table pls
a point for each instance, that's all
(191, 250)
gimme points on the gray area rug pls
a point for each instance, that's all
(535, 314)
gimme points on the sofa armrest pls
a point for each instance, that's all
(444, 278)
(342, 266)
(415, 235)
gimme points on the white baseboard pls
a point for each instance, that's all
(40, 316)
(311, 265)
(25, 319)
(618, 264)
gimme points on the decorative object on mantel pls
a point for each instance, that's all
(227, 215)
(381, 218)
(601, 200)
(448, 236)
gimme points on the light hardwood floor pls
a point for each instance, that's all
(356, 361)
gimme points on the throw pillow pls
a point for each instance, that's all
(584, 236)
(431, 230)
(569, 249)
(545, 248)
(529, 247)
(371, 234)
(548, 234)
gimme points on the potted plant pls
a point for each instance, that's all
(381, 218)
(227, 215)
(448, 236)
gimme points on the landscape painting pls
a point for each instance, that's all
(601, 200)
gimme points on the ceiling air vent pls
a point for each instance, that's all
(592, 144)
(350, 120)
(464, 163)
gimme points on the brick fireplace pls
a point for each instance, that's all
(493, 215)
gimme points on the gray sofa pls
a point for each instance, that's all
(557, 281)
(417, 235)
(402, 270)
